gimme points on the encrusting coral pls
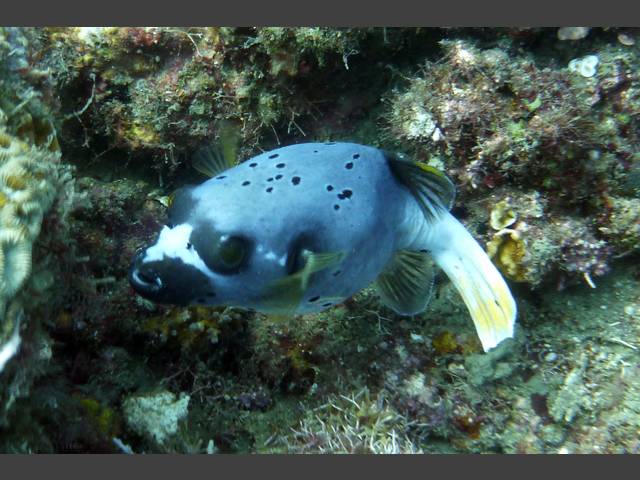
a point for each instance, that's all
(528, 244)
(29, 179)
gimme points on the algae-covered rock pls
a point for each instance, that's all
(622, 227)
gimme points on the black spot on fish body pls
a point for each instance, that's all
(337, 272)
(356, 156)
(345, 194)
(329, 188)
(328, 304)
(295, 180)
(349, 165)
(336, 207)
(280, 165)
(314, 299)
(270, 179)
(254, 164)
(278, 177)
(245, 183)
(270, 189)
(275, 155)
(221, 177)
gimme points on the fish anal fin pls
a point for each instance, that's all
(406, 284)
(278, 319)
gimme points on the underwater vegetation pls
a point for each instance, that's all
(539, 130)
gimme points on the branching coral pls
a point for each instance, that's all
(356, 423)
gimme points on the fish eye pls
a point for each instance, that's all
(223, 253)
(232, 251)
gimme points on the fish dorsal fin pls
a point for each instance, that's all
(406, 284)
(209, 161)
(432, 189)
(283, 296)
(214, 159)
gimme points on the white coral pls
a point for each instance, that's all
(157, 414)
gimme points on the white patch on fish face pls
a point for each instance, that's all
(271, 256)
(173, 243)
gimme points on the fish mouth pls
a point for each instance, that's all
(144, 279)
(145, 282)
(169, 281)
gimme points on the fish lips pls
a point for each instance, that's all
(169, 281)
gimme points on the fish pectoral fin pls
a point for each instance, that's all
(478, 281)
(406, 283)
(214, 159)
(316, 262)
(283, 296)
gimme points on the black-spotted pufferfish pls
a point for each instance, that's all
(304, 227)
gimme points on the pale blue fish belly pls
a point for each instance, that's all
(333, 197)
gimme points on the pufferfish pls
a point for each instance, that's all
(301, 228)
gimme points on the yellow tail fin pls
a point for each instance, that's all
(479, 282)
